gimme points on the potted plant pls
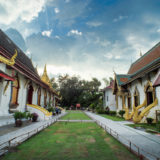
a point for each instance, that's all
(18, 118)
(34, 117)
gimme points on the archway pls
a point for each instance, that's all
(30, 94)
(150, 93)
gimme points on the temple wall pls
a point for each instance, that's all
(22, 95)
(119, 103)
(111, 103)
(5, 98)
(42, 97)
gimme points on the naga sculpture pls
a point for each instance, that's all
(138, 117)
(128, 115)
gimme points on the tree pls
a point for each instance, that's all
(107, 81)
(74, 90)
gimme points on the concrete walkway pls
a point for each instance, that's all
(142, 143)
(76, 121)
(16, 137)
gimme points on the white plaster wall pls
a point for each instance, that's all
(42, 97)
(5, 98)
(111, 103)
(22, 95)
(34, 98)
(120, 107)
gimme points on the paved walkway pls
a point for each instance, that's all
(16, 137)
(76, 121)
(149, 145)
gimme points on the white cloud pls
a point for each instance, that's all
(158, 30)
(47, 33)
(23, 10)
(74, 32)
(120, 18)
(56, 10)
(94, 24)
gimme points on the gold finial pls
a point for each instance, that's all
(140, 53)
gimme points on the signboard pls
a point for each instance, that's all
(78, 105)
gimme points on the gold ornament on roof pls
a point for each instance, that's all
(11, 61)
(45, 77)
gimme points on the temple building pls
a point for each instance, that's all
(138, 91)
(109, 98)
(21, 86)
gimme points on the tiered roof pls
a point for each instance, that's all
(147, 63)
(23, 64)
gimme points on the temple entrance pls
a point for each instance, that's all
(30, 94)
(149, 95)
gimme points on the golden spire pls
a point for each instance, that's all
(45, 77)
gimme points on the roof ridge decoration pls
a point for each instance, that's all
(155, 46)
(45, 77)
(11, 61)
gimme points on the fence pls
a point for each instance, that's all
(141, 153)
(9, 144)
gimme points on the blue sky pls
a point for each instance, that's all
(90, 38)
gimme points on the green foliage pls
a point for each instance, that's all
(19, 115)
(112, 113)
(100, 110)
(149, 120)
(121, 113)
(51, 109)
(107, 110)
(107, 81)
(74, 90)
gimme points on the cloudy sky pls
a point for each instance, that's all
(90, 38)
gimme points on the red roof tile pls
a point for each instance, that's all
(147, 58)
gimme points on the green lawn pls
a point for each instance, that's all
(113, 118)
(71, 141)
(146, 126)
(75, 115)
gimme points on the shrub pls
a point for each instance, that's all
(107, 110)
(34, 117)
(112, 113)
(50, 109)
(149, 120)
(18, 115)
(121, 113)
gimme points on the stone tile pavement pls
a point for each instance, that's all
(140, 142)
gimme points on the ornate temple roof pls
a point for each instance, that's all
(146, 60)
(23, 64)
